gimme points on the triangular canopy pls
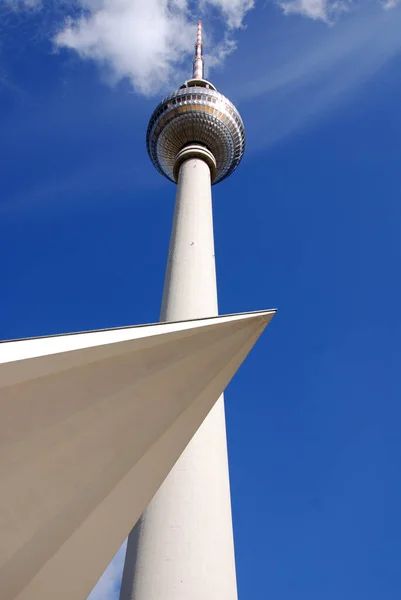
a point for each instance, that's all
(91, 424)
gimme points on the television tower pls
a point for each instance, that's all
(182, 547)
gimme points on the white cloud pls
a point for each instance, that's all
(132, 38)
(387, 4)
(144, 41)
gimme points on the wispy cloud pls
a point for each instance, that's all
(327, 10)
(17, 5)
(323, 69)
(232, 10)
(387, 4)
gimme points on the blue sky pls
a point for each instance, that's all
(309, 223)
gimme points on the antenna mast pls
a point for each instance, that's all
(198, 58)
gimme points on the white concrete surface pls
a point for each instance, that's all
(182, 547)
(90, 426)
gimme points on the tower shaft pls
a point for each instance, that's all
(182, 548)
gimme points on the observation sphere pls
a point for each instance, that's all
(196, 114)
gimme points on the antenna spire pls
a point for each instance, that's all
(198, 58)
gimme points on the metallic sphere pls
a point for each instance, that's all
(196, 113)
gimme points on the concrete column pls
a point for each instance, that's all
(182, 548)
